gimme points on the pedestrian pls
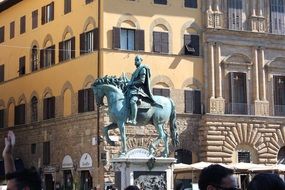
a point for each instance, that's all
(266, 181)
(27, 179)
(216, 177)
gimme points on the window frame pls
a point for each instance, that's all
(160, 2)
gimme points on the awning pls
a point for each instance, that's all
(18, 164)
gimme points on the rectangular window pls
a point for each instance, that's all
(161, 92)
(48, 13)
(279, 95)
(162, 2)
(33, 148)
(46, 153)
(2, 73)
(12, 29)
(47, 57)
(49, 108)
(192, 101)
(237, 93)
(2, 34)
(244, 157)
(89, 41)
(85, 100)
(2, 118)
(22, 66)
(67, 6)
(20, 114)
(236, 15)
(128, 39)
(23, 24)
(160, 42)
(88, 1)
(191, 45)
(190, 3)
(277, 15)
(35, 19)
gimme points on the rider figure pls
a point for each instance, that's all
(138, 88)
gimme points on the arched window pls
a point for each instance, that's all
(67, 48)
(89, 39)
(161, 89)
(34, 109)
(160, 39)
(34, 58)
(277, 16)
(183, 156)
(47, 55)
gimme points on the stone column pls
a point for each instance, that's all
(211, 69)
(255, 73)
(262, 75)
(218, 70)
(253, 7)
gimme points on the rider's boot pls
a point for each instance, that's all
(133, 117)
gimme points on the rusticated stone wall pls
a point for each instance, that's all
(222, 136)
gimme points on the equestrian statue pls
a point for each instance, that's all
(130, 102)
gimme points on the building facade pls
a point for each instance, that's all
(51, 53)
(244, 78)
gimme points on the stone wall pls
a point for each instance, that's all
(220, 137)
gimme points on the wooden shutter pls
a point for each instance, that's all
(116, 38)
(157, 42)
(22, 114)
(195, 43)
(12, 29)
(23, 24)
(188, 97)
(72, 47)
(139, 40)
(1, 73)
(82, 44)
(45, 109)
(52, 49)
(22, 61)
(2, 118)
(46, 153)
(67, 6)
(42, 58)
(165, 92)
(187, 44)
(43, 14)
(52, 11)
(52, 107)
(60, 51)
(90, 100)
(96, 39)
(2, 34)
(197, 102)
(80, 101)
(34, 19)
(164, 42)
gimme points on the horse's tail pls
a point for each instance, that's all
(173, 126)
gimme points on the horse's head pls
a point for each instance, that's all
(99, 94)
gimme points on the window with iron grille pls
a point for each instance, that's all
(161, 92)
(190, 3)
(162, 2)
(244, 156)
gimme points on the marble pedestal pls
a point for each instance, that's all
(151, 172)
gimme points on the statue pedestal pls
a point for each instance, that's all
(151, 172)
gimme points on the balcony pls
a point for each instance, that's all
(279, 110)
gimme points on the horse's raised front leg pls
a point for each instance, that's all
(106, 133)
(122, 128)
(161, 136)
